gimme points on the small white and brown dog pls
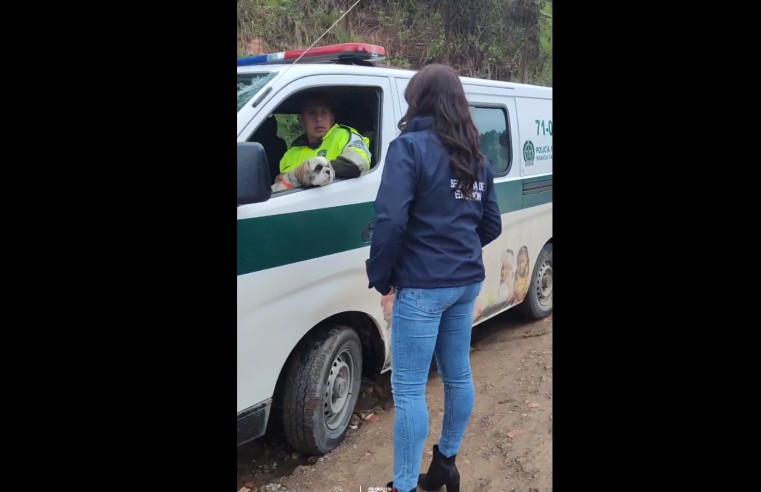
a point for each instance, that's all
(314, 172)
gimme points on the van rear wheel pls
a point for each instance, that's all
(321, 391)
(538, 302)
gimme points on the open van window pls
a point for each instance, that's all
(249, 85)
(355, 107)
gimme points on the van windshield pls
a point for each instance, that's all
(249, 85)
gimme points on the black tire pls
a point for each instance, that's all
(305, 421)
(536, 305)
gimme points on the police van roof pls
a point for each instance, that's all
(355, 58)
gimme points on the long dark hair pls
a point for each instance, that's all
(436, 91)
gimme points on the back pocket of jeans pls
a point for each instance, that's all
(435, 300)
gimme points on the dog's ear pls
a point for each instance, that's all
(302, 173)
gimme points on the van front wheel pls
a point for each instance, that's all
(321, 391)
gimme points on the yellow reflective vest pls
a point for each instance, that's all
(340, 141)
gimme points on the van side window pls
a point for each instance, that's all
(357, 107)
(494, 137)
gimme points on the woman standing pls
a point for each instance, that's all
(436, 210)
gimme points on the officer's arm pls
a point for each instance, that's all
(491, 221)
(354, 161)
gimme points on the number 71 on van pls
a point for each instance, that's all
(545, 127)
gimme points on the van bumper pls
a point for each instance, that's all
(252, 422)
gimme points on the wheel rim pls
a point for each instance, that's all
(337, 397)
(544, 283)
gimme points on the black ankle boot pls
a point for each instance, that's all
(442, 471)
(390, 485)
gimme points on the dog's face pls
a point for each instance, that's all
(317, 172)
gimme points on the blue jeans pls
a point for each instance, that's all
(427, 321)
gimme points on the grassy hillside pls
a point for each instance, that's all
(496, 39)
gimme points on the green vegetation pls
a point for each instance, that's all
(288, 127)
(496, 39)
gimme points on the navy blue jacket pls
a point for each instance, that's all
(426, 236)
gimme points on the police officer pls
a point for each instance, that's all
(345, 148)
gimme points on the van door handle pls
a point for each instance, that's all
(367, 232)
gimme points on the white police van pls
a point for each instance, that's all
(308, 326)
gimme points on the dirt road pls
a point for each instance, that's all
(508, 445)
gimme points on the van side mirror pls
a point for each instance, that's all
(253, 174)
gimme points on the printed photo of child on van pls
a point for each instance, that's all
(522, 275)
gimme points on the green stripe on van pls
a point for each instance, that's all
(278, 240)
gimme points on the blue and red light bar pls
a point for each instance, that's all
(324, 54)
